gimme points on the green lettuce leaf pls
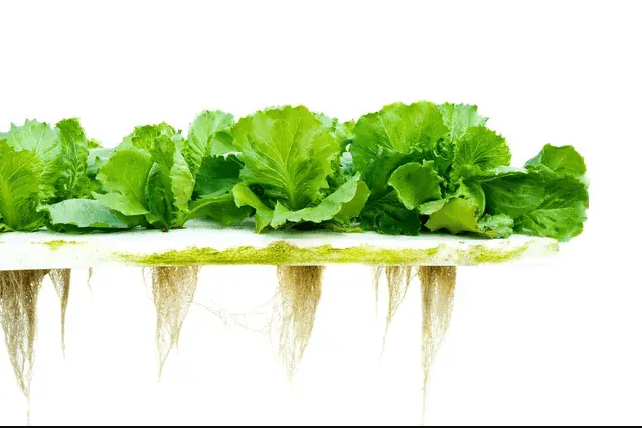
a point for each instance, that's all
(560, 214)
(73, 182)
(209, 135)
(19, 177)
(416, 183)
(458, 118)
(244, 196)
(126, 192)
(563, 160)
(221, 208)
(383, 140)
(39, 139)
(456, 215)
(540, 202)
(287, 151)
(388, 215)
(480, 147)
(80, 215)
(352, 208)
(144, 137)
(327, 209)
(217, 175)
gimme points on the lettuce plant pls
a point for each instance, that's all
(39, 166)
(289, 155)
(438, 167)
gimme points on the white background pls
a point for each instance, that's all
(557, 343)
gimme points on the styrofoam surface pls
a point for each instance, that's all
(43, 249)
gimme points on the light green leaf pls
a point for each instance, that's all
(75, 151)
(289, 152)
(144, 137)
(561, 212)
(182, 181)
(209, 135)
(123, 204)
(481, 147)
(39, 139)
(220, 208)
(19, 176)
(395, 130)
(458, 118)
(82, 214)
(457, 215)
(562, 160)
(353, 207)
(244, 196)
(416, 183)
(124, 177)
(326, 210)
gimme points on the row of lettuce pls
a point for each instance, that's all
(404, 170)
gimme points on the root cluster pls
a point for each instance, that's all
(61, 279)
(300, 291)
(438, 292)
(18, 300)
(173, 289)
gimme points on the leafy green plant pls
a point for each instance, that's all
(439, 167)
(405, 169)
(39, 166)
(289, 154)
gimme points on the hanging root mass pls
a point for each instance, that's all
(300, 291)
(18, 299)
(173, 289)
(398, 279)
(61, 279)
(438, 292)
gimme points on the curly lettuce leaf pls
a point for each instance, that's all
(327, 209)
(416, 183)
(209, 135)
(144, 137)
(540, 202)
(73, 182)
(560, 214)
(480, 148)
(383, 140)
(563, 160)
(19, 177)
(458, 118)
(42, 141)
(287, 151)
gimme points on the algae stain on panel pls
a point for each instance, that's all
(478, 254)
(282, 253)
(58, 243)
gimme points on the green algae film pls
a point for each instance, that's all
(56, 244)
(479, 254)
(282, 253)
